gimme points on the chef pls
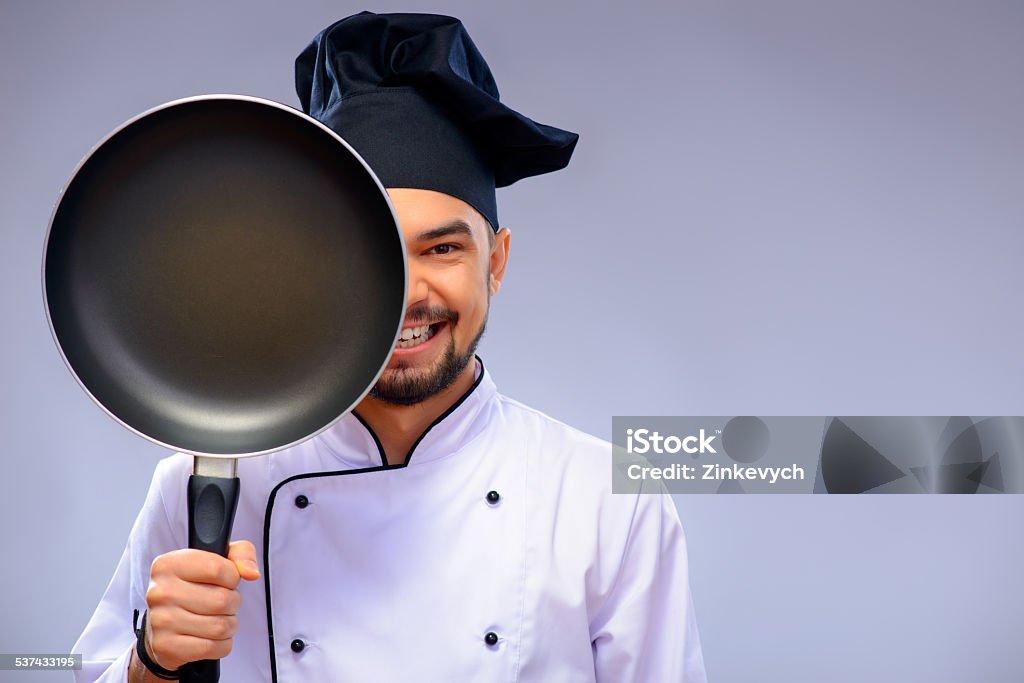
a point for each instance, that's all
(440, 531)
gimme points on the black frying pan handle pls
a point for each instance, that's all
(211, 512)
(212, 502)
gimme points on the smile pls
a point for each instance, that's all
(414, 336)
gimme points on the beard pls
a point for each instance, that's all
(406, 385)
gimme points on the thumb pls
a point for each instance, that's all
(243, 554)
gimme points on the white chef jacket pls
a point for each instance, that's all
(398, 573)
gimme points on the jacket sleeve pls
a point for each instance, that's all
(108, 639)
(646, 629)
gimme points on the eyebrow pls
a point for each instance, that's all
(455, 227)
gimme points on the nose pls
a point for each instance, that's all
(419, 288)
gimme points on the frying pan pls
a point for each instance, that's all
(224, 276)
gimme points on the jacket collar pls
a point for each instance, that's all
(353, 442)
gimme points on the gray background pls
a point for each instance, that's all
(775, 208)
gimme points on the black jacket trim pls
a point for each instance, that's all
(451, 409)
(376, 440)
(313, 475)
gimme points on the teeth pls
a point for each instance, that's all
(414, 336)
(410, 332)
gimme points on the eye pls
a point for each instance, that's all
(444, 249)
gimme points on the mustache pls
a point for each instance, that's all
(422, 315)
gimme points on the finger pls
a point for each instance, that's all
(179, 621)
(209, 600)
(201, 566)
(173, 650)
(243, 554)
(203, 599)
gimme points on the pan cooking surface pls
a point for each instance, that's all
(224, 277)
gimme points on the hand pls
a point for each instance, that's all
(192, 600)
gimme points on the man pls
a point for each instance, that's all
(440, 531)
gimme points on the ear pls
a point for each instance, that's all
(499, 259)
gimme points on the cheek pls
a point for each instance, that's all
(464, 290)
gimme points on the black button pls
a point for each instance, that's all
(491, 638)
(493, 497)
(301, 501)
(298, 645)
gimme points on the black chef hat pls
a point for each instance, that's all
(415, 98)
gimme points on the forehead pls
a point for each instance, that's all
(422, 210)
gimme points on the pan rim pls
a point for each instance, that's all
(255, 100)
